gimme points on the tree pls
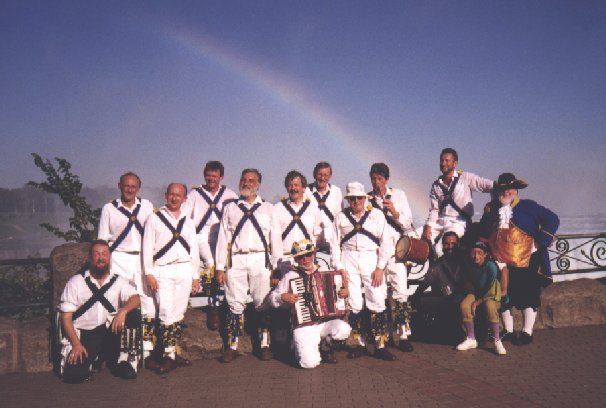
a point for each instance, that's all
(62, 182)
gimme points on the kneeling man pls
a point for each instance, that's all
(313, 342)
(94, 307)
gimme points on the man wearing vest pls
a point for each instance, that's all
(248, 246)
(394, 205)
(450, 205)
(329, 200)
(362, 249)
(95, 313)
(205, 205)
(171, 264)
(121, 225)
(299, 218)
(519, 232)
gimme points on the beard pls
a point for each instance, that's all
(505, 201)
(99, 270)
(248, 191)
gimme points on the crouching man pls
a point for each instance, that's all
(94, 316)
(313, 342)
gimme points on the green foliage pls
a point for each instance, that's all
(67, 186)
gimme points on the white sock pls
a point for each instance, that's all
(234, 345)
(265, 338)
(507, 321)
(530, 315)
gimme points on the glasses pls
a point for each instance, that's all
(355, 198)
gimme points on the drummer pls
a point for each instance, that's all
(394, 205)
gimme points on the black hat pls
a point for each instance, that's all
(508, 180)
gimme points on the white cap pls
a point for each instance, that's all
(354, 189)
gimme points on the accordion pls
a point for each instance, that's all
(320, 300)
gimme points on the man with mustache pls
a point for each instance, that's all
(248, 246)
(95, 309)
(519, 232)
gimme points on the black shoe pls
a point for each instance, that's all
(384, 354)
(356, 352)
(265, 354)
(125, 371)
(524, 339)
(509, 336)
(405, 346)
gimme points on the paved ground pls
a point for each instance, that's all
(562, 368)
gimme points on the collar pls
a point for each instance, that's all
(95, 281)
(456, 174)
(388, 191)
(258, 199)
(203, 187)
(314, 187)
(119, 201)
(165, 210)
(515, 202)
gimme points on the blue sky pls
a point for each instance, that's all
(162, 87)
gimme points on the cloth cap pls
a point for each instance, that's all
(508, 180)
(481, 245)
(354, 189)
(302, 247)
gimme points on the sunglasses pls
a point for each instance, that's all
(355, 198)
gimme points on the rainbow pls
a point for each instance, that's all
(289, 94)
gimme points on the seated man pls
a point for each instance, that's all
(94, 307)
(445, 279)
(312, 342)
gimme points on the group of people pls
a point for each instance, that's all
(152, 259)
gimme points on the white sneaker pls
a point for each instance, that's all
(499, 348)
(468, 344)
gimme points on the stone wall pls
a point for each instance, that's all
(24, 346)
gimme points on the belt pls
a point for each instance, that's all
(247, 252)
(130, 252)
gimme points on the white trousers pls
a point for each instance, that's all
(307, 340)
(247, 274)
(174, 287)
(129, 266)
(446, 224)
(397, 276)
(360, 265)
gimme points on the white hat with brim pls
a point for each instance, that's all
(354, 189)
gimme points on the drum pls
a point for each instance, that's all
(410, 249)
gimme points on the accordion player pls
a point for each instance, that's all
(317, 316)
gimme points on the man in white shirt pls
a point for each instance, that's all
(121, 225)
(171, 264)
(299, 218)
(313, 342)
(361, 248)
(248, 229)
(394, 205)
(329, 199)
(205, 205)
(450, 206)
(94, 308)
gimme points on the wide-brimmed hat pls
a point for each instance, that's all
(354, 189)
(508, 180)
(302, 247)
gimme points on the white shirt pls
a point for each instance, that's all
(375, 224)
(461, 195)
(113, 222)
(311, 219)
(77, 292)
(334, 201)
(275, 296)
(157, 235)
(248, 239)
(400, 202)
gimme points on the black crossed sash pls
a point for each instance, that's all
(213, 206)
(358, 227)
(132, 220)
(448, 200)
(249, 215)
(322, 204)
(176, 236)
(390, 220)
(98, 296)
(296, 219)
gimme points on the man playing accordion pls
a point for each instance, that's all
(313, 339)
